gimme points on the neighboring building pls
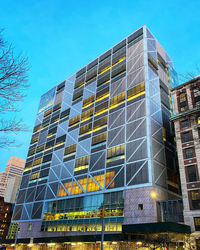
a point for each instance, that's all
(103, 139)
(14, 168)
(187, 128)
(2, 183)
(12, 189)
(5, 217)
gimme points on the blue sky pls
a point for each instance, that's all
(61, 36)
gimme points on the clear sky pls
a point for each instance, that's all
(61, 36)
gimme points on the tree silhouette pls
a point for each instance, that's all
(13, 87)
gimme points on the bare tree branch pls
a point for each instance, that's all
(13, 87)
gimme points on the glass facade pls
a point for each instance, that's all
(102, 131)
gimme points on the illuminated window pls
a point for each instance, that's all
(61, 191)
(101, 108)
(87, 102)
(194, 196)
(119, 60)
(29, 227)
(117, 100)
(115, 153)
(74, 121)
(48, 112)
(31, 152)
(99, 124)
(92, 185)
(85, 129)
(101, 97)
(136, 91)
(82, 163)
(197, 223)
(183, 102)
(40, 148)
(28, 166)
(35, 176)
(109, 176)
(37, 161)
(76, 189)
(70, 150)
(87, 115)
(99, 139)
(34, 139)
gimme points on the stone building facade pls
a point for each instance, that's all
(186, 120)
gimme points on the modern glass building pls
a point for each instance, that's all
(102, 139)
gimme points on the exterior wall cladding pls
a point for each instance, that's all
(102, 139)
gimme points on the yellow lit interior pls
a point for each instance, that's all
(117, 100)
(87, 115)
(92, 185)
(104, 70)
(120, 60)
(102, 97)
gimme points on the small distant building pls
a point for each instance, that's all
(14, 168)
(187, 128)
(3, 176)
(12, 189)
(5, 217)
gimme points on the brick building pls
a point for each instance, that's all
(187, 128)
(5, 217)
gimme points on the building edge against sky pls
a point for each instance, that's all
(102, 139)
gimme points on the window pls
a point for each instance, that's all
(35, 176)
(189, 153)
(117, 100)
(183, 102)
(197, 223)
(87, 115)
(82, 163)
(115, 153)
(60, 140)
(74, 121)
(184, 124)
(85, 129)
(70, 150)
(196, 93)
(87, 102)
(187, 136)
(101, 108)
(31, 152)
(99, 139)
(101, 123)
(136, 91)
(194, 197)
(40, 148)
(37, 161)
(191, 173)
(140, 206)
(48, 112)
(34, 139)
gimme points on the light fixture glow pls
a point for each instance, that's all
(153, 194)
